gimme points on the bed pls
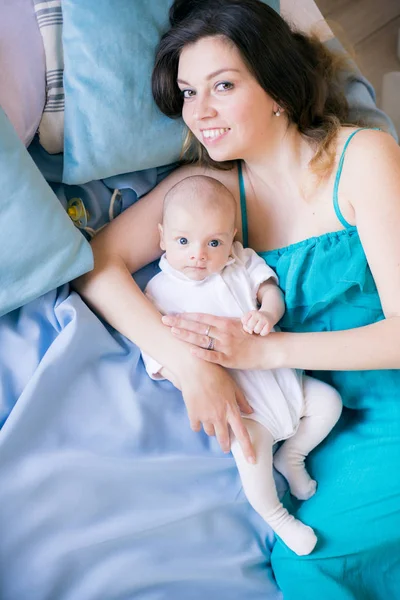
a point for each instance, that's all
(105, 493)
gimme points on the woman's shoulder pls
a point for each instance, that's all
(371, 163)
(365, 153)
(364, 141)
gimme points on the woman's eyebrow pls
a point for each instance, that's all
(211, 75)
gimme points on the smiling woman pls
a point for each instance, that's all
(227, 101)
(224, 109)
(265, 107)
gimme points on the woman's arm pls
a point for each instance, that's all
(370, 187)
(374, 346)
(371, 179)
(127, 244)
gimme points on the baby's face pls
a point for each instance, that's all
(197, 242)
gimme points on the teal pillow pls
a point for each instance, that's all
(40, 248)
(112, 124)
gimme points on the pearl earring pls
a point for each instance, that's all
(277, 113)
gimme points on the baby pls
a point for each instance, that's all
(204, 270)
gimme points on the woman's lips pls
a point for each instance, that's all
(213, 135)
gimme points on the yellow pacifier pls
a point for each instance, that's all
(77, 212)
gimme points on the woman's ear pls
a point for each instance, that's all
(161, 231)
(278, 110)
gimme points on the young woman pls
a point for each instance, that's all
(320, 203)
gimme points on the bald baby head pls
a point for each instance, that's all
(200, 193)
(198, 226)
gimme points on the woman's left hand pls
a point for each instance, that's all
(223, 341)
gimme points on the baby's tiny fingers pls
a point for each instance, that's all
(259, 326)
(252, 323)
(245, 318)
(265, 330)
(247, 329)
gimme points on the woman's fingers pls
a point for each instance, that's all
(190, 337)
(186, 323)
(209, 429)
(222, 435)
(242, 403)
(243, 437)
(209, 355)
(202, 324)
(197, 318)
(195, 425)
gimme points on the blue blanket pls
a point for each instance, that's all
(106, 493)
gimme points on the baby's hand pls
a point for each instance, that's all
(257, 321)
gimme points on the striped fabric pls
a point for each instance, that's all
(51, 128)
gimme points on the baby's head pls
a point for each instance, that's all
(198, 226)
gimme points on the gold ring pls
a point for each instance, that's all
(208, 330)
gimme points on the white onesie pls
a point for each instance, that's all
(276, 395)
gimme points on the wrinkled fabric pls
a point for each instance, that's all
(321, 277)
(39, 247)
(105, 490)
(356, 511)
(95, 196)
(275, 395)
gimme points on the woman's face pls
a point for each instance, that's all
(224, 106)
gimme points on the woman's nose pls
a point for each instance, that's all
(203, 108)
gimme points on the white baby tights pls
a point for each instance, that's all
(322, 409)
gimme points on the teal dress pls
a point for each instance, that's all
(328, 286)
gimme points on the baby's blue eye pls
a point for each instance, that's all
(214, 243)
(182, 241)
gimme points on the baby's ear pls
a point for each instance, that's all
(161, 231)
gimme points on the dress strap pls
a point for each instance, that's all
(243, 208)
(338, 212)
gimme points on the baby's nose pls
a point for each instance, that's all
(199, 253)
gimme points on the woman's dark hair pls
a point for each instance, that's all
(295, 70)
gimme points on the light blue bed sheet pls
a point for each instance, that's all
(106, 493)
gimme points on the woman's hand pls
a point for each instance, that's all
(214, 400)
(232, 347)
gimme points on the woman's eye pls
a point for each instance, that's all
(214, 243)
(224, 86)
(182, 241)
(188, 93)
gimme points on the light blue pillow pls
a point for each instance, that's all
(112, 124)
(40, 248)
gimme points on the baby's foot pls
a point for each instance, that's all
(298, 537)
(292, 468)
